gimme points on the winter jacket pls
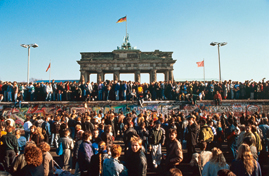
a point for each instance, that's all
(174, 154)
(136, 163)
(192, 134)
(107, 138)
(84, 155)
(18, 164)
(156, 136)
(10, 142)
(211, 169)
(238, 168)
(48, 164)
(112, 167)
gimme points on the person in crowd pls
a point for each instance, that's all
(111, 166)
(19, 161)
(48, 162)
(245, 164)
(174, 154)
(136, 161)
(33, 157)
(231, 136)
(191, 136)
(68, 145)
(36, 135)
(10, 147)
(95, 137)
(143, 133)
(21, 140)
(258, 141)
(265, 132)
(200, 159)
(76, 148)
(156, 140)
(85, 154)
(206, 133)
(12, 122)
(107, 137)
(46, 125)
(97, 160)
(251, 143)
(55, 129)
(216, 163)
(72, 124)
(244, 134)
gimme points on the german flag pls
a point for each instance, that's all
(122, 19)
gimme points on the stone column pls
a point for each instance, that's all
(100, 76)
(171, 75)
(137, 76)
(153, 75)
(116, 75)
(89, 76)
(84, 76)
(166, 76)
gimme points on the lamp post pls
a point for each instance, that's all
(28, 68)
(219, 44)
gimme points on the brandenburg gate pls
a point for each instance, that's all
(126, 60)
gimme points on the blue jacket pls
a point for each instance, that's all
(112, 167)
(85, 154)
(117, 87)
(9, 89)
(124, 87)
(46, 126)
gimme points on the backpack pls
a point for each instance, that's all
(140, 90)
(207, 134)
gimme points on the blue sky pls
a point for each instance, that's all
(64, 28)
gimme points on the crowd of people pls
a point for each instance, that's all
(122, 90)
(86, 142)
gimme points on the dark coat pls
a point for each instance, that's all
(238, 168)
(107, 138)
(143, 134)
(36, 138)
(128, 134)
(192, 134)
(174, 154)
(31, 170)
(88, 126)
(136, 163)
(85, 154)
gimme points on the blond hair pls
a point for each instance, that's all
(136, 139)
(246, 156)
(218, 157)
(39, 131)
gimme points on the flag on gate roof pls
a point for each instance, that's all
(200, 64)
(48, 68)
(122, 19)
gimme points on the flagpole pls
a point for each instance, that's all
(204, 69)
(50, 69)
(126, 31)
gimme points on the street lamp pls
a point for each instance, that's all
(29, 46)
(219, 44)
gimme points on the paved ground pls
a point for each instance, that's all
(184, 166)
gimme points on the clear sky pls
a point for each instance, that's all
(64, 28)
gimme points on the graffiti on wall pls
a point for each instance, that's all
(157, 108)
